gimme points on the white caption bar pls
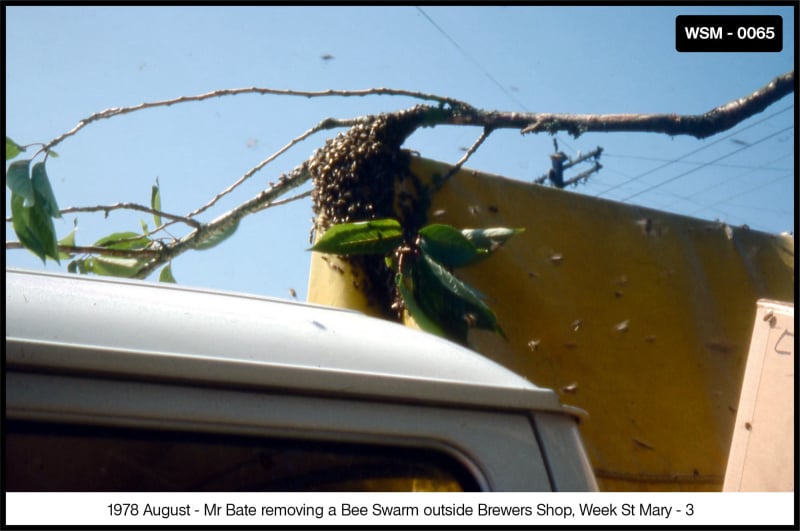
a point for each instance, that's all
(634, 509)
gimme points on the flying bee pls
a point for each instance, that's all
(646, 224)
(471, 319)
(571, 388)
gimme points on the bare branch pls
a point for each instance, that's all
(700, 126)
(279, 202)
(328, 123)
(97, 250)
(226, 221)
(116, 111)
(472, 149)
(130, 206)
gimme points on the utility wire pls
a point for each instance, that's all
(725, 200)
(763, 167)
(471, 59)
(727, 182)
(662, 183)
(701, 148)
(479, 66)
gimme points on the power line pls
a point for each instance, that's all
(701, 148)
(706, 164)
(479, 66)
(725, 200)
(471, 59)
(728, 181)
(695, 163)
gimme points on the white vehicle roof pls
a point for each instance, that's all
(166, 332)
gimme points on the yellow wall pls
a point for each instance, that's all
(641, 318)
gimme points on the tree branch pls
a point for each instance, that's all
(228, 220)
(97, 250)
(472, 149)
(449, 111)
(700, 126)
(328, 123)
(116, 111)
(131, 206)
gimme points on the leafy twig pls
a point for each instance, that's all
(98, 250)
(229, 220)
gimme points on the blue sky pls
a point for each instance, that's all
(66, 63)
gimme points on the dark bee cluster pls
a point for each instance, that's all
(364, 174)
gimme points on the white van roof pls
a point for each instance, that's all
(162, 331)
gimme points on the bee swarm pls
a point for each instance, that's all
(363, 174)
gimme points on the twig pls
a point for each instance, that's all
(472, 149)
(130, 206)
(227, 220)
(116, 111)
(328, 123)
(94, 249)
(279, 202)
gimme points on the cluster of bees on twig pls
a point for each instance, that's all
(363, 174)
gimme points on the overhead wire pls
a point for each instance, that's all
(480, 67)
(749, 170)
(704, 165)
(760, 186)
(701, 148)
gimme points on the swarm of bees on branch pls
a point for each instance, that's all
(363, 174)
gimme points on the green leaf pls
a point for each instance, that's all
(20, 220)
(53, 154)
(69, 241)
(43, 191)
(448, 246)
(217, 238)
(420, 317)
(166, 274)
(12, 149)
(488, 240)
(74, 266)
(19, 182)
(123, 241)
(457, 305)
(453, 284)
(438, 304)
(378, 236)
(34, 228)
(155, 202)
(114, 266)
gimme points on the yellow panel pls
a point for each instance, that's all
(640, 317)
